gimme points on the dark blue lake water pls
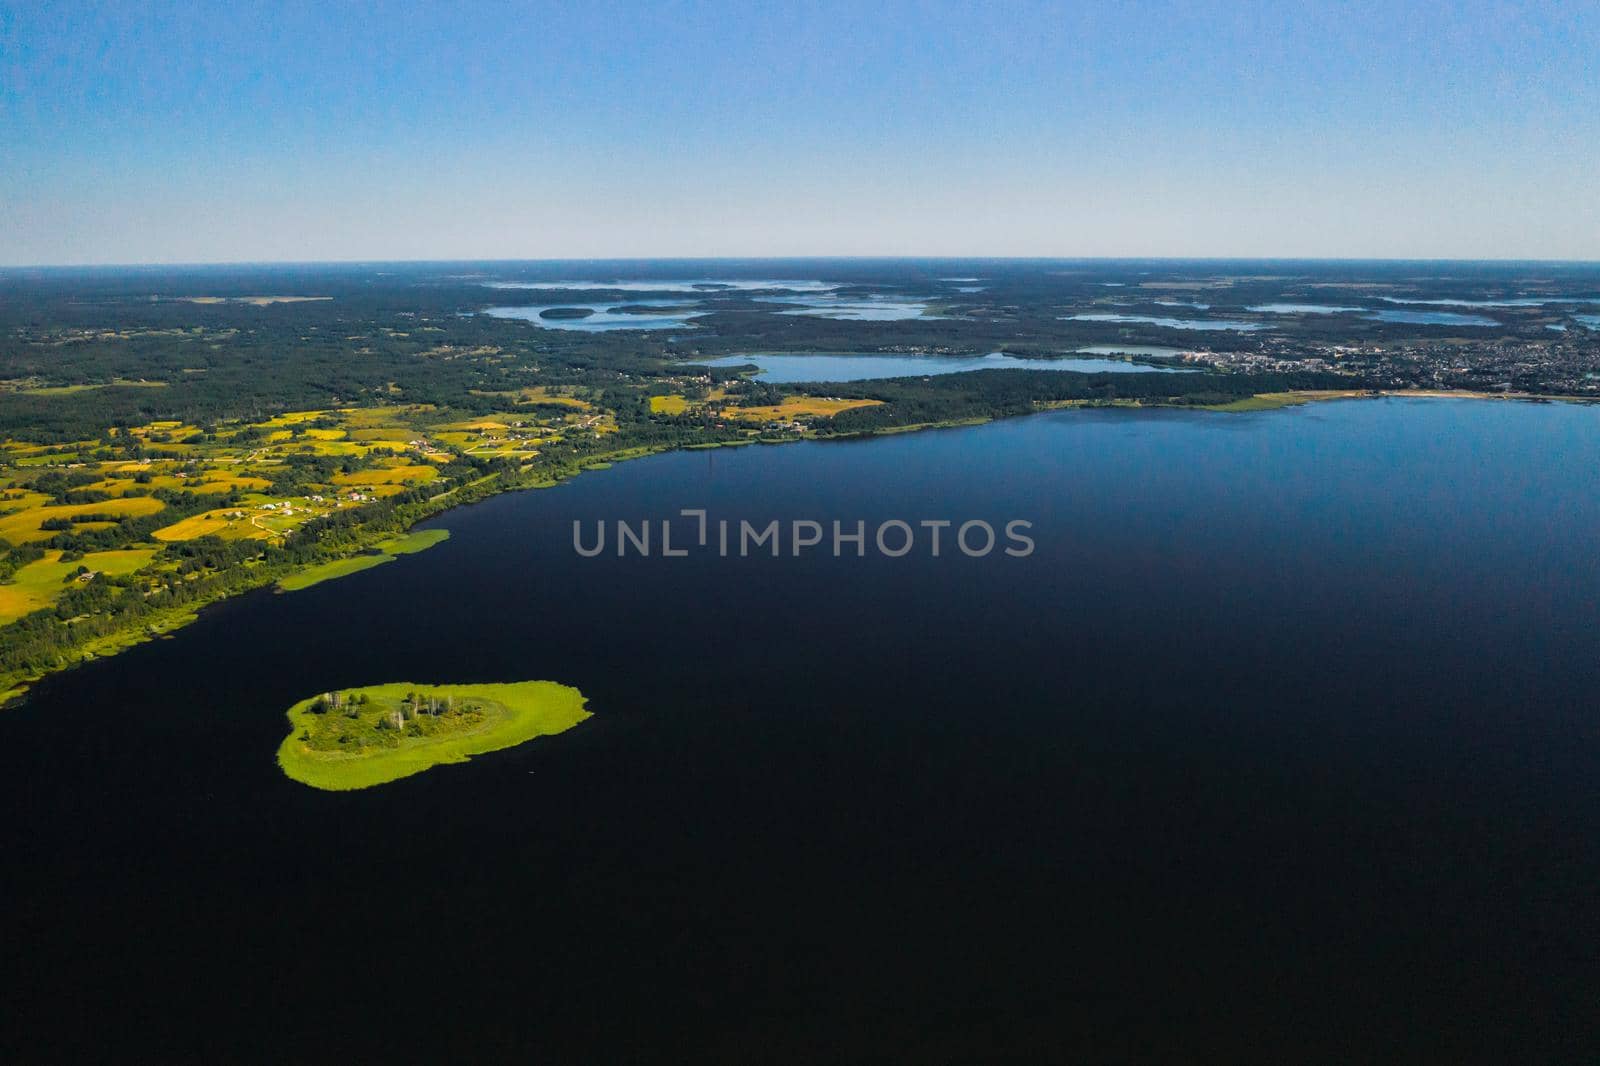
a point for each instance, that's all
(1282, 746)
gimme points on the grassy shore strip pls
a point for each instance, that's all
(329, 571)
(514, 713)
(387, 551)
(1272, 401)
(411, 543)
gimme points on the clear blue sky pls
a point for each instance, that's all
(135, 132)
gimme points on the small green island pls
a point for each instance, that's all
(360, 737)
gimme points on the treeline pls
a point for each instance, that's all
(1005, 393)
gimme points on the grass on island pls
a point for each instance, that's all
(369, 736)
(675, 404)
(387, 550)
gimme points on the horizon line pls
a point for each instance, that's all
(359, 261)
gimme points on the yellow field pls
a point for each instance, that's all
(668, 405)
(23, 526)
(213, 523)
(479, 426)
(68, 390)
(540, 394)
(213, 482)
(279, 435)
(394, 475)
(397, 434)
(294, 418)
(339, 447)
(119, 486)
(20, 500)
(798, 407)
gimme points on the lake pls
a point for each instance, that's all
(865, 366)
(705, 286)
(1171, 323)
(1432, 318)
(1302, 309)
(603, 318)
(856, 309)
(1280, 747)
(1521, 301)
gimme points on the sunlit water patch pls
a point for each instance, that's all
(602, 319)
(1525, 301)
(1303, 309)
(855, 308)
(1431, 318)
(1172, 323)
(847, 366)
(706, 286)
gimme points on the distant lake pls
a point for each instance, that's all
(1172, 323)
(859, 309)
(1432, 318)
(1587, 321)
(847, 366)
(604, 320)
(1302, 309)
(1526, 301)
(1130, 349)
(708, 286)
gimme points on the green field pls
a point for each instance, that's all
(328, 571)
(37, 584)
(404, 544)
(411, 543)
(388, 733)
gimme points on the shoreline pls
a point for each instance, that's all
(15, 686)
